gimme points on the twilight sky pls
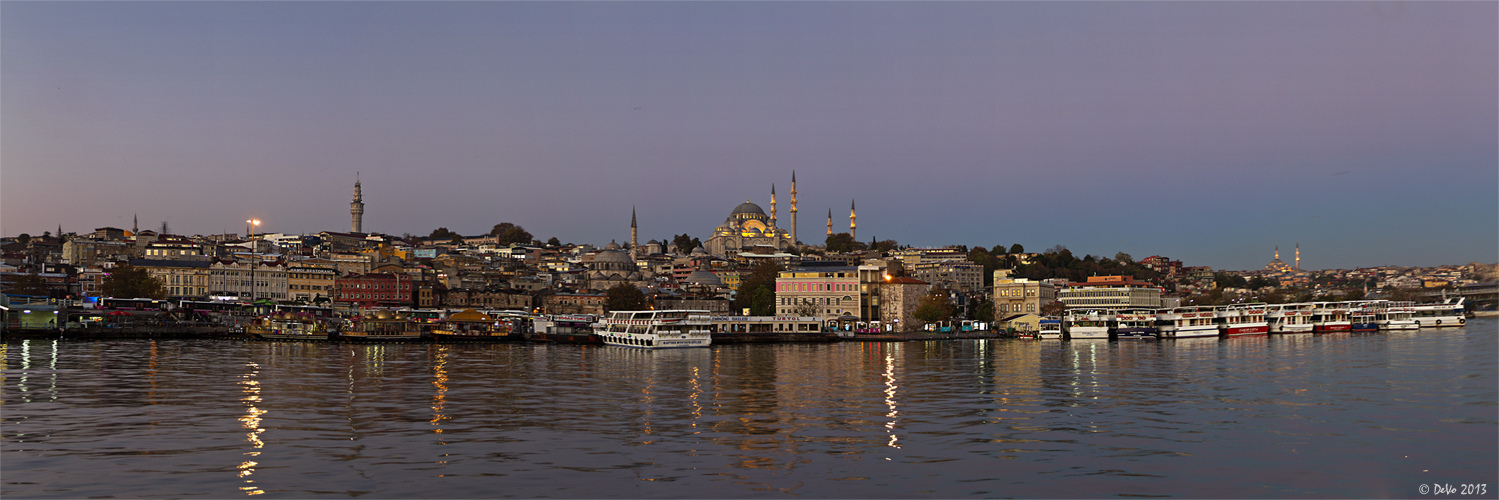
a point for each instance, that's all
(1208, 132)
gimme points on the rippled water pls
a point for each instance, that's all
(1362, 415)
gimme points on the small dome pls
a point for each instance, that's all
(747, 208)
(701, 277)
(611, 246)
(471, 316)
(699, 251)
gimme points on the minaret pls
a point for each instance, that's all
(852, 223)
(793, 208)
(1277, 252)
(135, 224)
(1298, 256)
(772, 204)
(830, 222)
(357, 207)
(634, 243)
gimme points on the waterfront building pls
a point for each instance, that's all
(363, 291)
(1020, 295)
(309, 283)
(956, 275)
(182, 279)
(247, 279)
(825, 291)
(1110, 292)
(487, 299)
(574, 303)
(899, 298)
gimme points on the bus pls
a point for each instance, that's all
(116, 304)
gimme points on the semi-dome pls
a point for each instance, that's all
(747, 208)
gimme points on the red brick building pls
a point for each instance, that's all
(364, 291)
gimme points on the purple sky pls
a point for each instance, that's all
(1204, 131)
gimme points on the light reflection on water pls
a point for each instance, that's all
(1367, 415)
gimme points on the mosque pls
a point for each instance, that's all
(750, 229)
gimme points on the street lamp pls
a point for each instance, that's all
(253, 223)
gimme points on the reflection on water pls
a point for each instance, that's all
(1373, 415)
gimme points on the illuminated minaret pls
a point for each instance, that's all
(634, 243)
(1298, 256)
(830, 222)
(853, 225)
(1277, 252)
(357, 207)
(793, 208)
(772, 204)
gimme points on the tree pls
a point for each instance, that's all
(843, 242)
(1230, 279)
(1053, 308)
(510, 234)
(443, 233)
(23, 238)
(553, 242)
(886, 246)
(1124, 258)
(624, 297)
(934, 306)
(127, 281)
(983, 311)
(757, 290)
(685, 243)
(1016, 249)
(29, 284)
(1257, 283)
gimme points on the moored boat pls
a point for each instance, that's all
(1362, 317)
(1050, 327)
(471, 325)
(1247, 319)
(666, 329)
(1330, 317)
(288, 326)
(1088, 323)
(382, 326)
(1188, 321)
(564, 329)
(1290, 318)
(1448, 312)
(1396, 316)
(1135, 324)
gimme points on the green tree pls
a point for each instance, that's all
(553, 242)
(23, 239)
(624, 297)
(685, 243)
(934, 306)
(886, 245)
(757, 290)
(1016, 249)
(843, 242)
(1230, 279)
(983, 310)
(29, 284)
(443, 233)
(511, 234)
(1124, 258)
(1257, 283)
(1053, 308)
(127, 281)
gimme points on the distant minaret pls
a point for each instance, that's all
(357, 207)
(772, 204)
(135, 224)
(634, 243)
(852, 223)
(830, 222)
(1298, 256)
(1277, 252)
(793, 208)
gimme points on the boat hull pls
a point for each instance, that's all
(1190, 332)
(1332, 327)
(1239, 330)
(1135, 333)
(1088, 332)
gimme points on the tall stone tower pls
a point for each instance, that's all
(830, 222)
(634, 243)
(1298, 256)
(853, 225)
(357, 207)
(793, 208)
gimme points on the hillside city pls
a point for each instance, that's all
(750, 265)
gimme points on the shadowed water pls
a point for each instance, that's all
(1342, 415)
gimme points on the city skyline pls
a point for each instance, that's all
(1206, 132)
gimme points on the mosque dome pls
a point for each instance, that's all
(612, 256)
(701, 277)
(747, 208)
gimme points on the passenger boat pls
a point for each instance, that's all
(471, 325)
(1290, 318)
(1088, 324)
(564, 329)
(1135, 324)
(383, 326)
(1448, 312)
(741, 329)
(667, 329)
(1050, 328)
(1362, 317)
(1189, 321)
(288, 326)
(1396, 316)
(1330, 317)
(1243, 320)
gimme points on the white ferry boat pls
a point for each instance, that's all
(1189, 321)
(1330, 317)
(1135, 324)
(1290, 318)
(667, 329)
(1396, 316)
(1247, 319)
(1088, 324)
(1445, 313)
(1051, 328)
(1362, 316)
